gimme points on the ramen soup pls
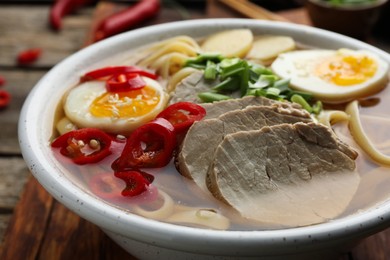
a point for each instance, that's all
(233, 132)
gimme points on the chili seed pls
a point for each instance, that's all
(80, 143)
(94, 144)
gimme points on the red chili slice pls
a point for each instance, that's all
(5, 98)
(83, 146)
(182, 115)
(106, 186)
(29, 56)
(114, 70)
(125, 82)
(149, 146)
(2, 80)
(136, 182)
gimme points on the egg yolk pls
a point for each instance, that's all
(129, 104)
(347, 70)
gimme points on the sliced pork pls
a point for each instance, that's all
(198, 147)
(189, 87)
(291, 174)
(218, 108)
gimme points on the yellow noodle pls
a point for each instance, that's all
(200, 217)
(330, 117)
(180, 47)
(169, 64)
(179, 76)
(64, 125)
(184, 39)
(161, 213)
(361, 138)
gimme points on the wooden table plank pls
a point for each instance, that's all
(65, 228)
(13, 176)
(374, 247)
(28, 224)
(23, 27)
(19, 84)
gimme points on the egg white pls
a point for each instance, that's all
(299, 66)
(79, 100)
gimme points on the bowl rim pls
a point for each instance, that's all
(33, 142)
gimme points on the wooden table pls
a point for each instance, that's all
(32, 224)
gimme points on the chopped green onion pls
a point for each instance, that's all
(244, 79)
(195, 66)
(282, 85)
(261, 70)
(301, 101)
(273, 91)
(260, 92)
(228, 63)
(317, 107)
(211, 70)
(212, 97)
(231, 67)
(305, 95)
(229, 84)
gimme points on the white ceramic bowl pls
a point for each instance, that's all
(145, 238)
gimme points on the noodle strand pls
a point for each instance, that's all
(360, 136)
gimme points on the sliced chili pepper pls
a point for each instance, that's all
(106, 186)
(29, 56)
(83, 146)
(182, 115)
(5, 98)
(2, 81)
(115, 70)
(136, 182)
(60, 8)
(149, 146)
(128, 18)
(125, 82)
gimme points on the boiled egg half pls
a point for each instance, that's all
(333, 76)
(91, 105)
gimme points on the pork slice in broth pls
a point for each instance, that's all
(218, 108)
(189, 88)
(198, 147)
(288, 174)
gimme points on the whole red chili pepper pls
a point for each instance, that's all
(85, 145)
(29, 56)
(127, 18)
(2, 80)
(60, 8)
(5, 98)
(149, 146)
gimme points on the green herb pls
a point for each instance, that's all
(200, 61)
(210, 71)
(228, 85)
(235, 74)
(317, 107)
